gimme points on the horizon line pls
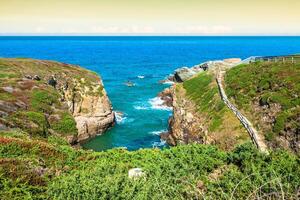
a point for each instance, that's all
(145, 35)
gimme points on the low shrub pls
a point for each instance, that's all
(31, 122)
(66, 125)
(42, 100)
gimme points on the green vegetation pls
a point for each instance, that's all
(5, 96)
(36, 107)
(273, 85)
(27, 165)
(7, 75)
(42, 100)
(50, 169)
(66, 125)
(31, 122)
(220, 125)
(204, 93)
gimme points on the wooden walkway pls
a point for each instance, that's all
(255, 137)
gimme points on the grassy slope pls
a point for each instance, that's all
(268, 84)
(223, 126)
(41, 169)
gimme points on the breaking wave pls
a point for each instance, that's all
(120, 118)
(159, 144)
(158, 104)
(158, 132)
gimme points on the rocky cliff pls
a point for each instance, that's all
(199, 115)
(185, 124)
(46, 97)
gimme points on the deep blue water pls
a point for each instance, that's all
(119, 59)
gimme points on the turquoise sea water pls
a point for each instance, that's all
(119, 59)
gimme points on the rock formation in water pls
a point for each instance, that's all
(50, 98)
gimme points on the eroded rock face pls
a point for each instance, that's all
(166, 96)
(183, 74)
(88, 103)
(185, 126)
(96, 118)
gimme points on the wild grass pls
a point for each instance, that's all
(223, 128)
(204, 92)
(42, 100)
(31, 122)
(270, 84)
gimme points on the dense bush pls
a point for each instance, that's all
(66, 125)
(32, 122)
(171, 173)
(182, 172)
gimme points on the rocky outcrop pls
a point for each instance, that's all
(167, 97)
(135, 173)
(46, 97)
(89, 104)
(184, 73)
(185, 125)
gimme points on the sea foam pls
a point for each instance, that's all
(158, 104)
(168, 82)
(140, 108)
(158, 132)
(159, 144)
(120, 118)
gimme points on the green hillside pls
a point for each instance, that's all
(222, 125)
(269, 94)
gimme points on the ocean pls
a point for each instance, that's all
(143, 61)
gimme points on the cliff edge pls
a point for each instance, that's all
(50, 98)
(199, 114)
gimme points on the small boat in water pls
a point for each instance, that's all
(129, 83)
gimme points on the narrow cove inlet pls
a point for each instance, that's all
(149, 100)
(131, 68)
